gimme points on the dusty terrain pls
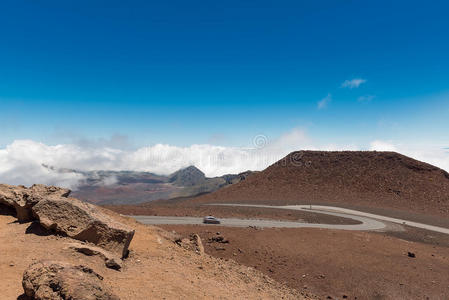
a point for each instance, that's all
(407, 264)
(156, 268)
(331, 263)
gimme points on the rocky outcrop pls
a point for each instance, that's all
(67, 216)
(22, 199)
(82, 221)
(111, 261)
(51, 280)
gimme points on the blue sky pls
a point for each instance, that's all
(222, 72)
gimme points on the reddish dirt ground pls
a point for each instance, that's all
(156, 268)
(336, 264)
(330, 263)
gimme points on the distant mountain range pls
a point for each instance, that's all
(129, 187)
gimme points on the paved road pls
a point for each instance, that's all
(367, 221)
(349, 213)
(320, 208)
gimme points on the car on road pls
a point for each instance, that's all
(211, 220)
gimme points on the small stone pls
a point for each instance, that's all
(113, 264)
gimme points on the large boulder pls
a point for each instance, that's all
(71, 217)
(51, 280)
(22, 199)
(83, 221)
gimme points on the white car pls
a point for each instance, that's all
(211, 220)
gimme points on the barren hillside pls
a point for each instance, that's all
(371, 179)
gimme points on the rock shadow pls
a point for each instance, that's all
(7, 211)
(37, 229)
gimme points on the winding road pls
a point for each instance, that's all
(368, 221)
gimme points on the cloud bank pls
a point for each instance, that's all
(26, 162)
(23, 161)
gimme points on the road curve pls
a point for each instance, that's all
(349, 213)
(367, 221)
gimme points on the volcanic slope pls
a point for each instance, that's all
(383, 180)
(157, 268)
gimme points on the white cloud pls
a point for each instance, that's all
(353, 83)
(325, 101)
(434, 155)
(379, 145)
(21, 162)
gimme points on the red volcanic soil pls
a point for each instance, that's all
(386, 180)
(337, 264)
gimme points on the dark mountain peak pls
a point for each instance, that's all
(191, 168)
(235, 178)
(188, 176)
